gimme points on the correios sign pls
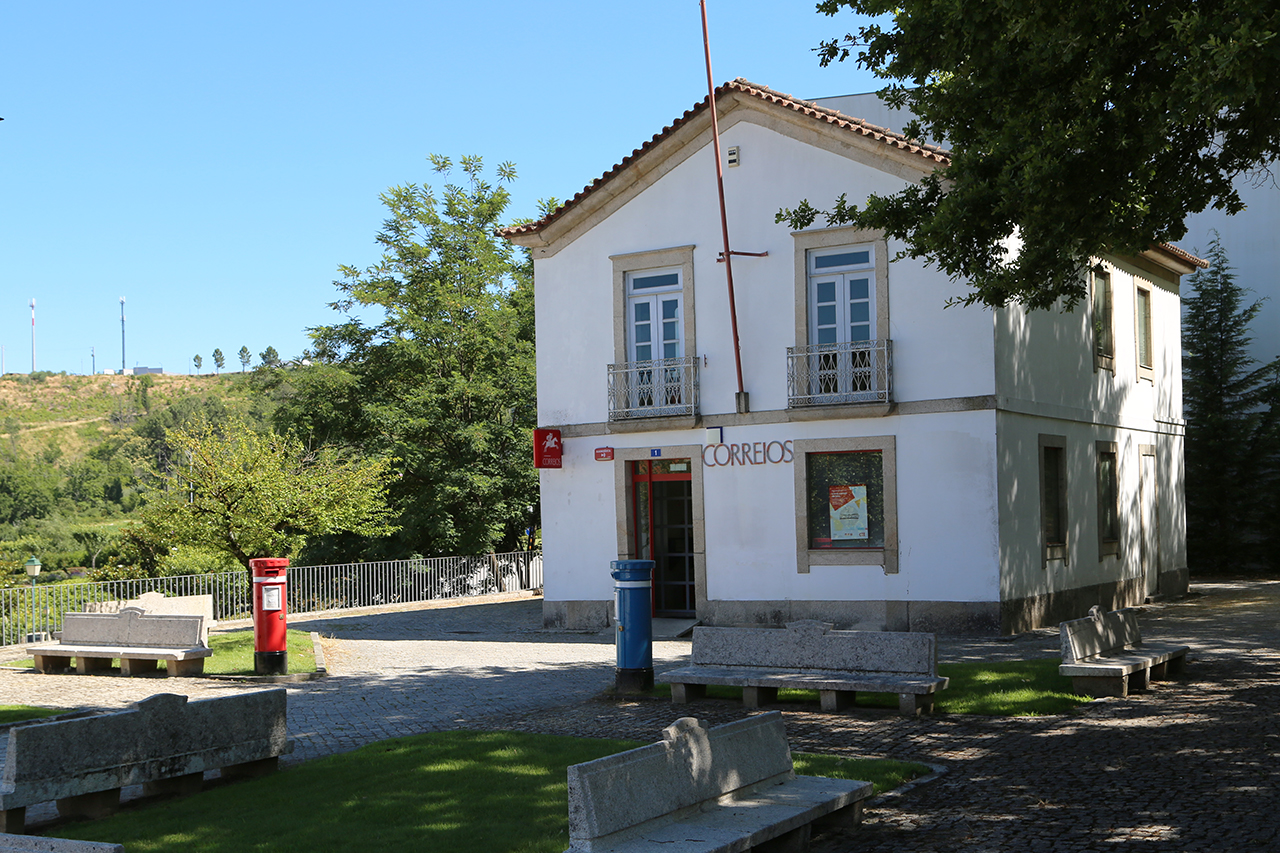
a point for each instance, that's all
(748, 453)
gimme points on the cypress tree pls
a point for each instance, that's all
(1232, 442)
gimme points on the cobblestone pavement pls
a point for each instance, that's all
(1191, 765)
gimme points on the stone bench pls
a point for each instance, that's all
(158, 602)
(139, 640)
(41, 844)
(1103, 654)
(809, 655)
(703, 790)
(163, 743)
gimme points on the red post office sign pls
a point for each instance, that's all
(548, 449)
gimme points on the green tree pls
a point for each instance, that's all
(1076, 129)
(249, 494)
(444, 381)
(270, 358)
(245, 357)
(197, 361)
(1232, 442)
(219, 361)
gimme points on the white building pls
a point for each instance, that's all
(897, 465)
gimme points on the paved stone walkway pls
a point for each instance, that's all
(1191, 765)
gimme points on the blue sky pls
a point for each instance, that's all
(214, 163)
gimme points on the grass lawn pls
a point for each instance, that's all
(454, 791)
(1024, 688)
(233, 653)
(20, 713)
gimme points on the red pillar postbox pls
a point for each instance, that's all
(270, 640)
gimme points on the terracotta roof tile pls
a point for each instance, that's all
(1182, 254)
(854, 125)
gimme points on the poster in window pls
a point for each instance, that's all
(848, 512)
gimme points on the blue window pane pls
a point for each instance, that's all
(860, 312)
(645, 282)
(826, 336)
(858, 288)
(669, 308)
(826, 315)
(642, 333)
(860, 332)
(826, 291)
(669, 330)
(642, 311)
(669, 351)
(644, 353)
(843, 259)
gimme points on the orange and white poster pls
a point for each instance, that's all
(848, 512)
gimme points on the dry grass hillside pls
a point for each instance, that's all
(42, 414)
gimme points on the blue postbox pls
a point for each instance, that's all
(632, 603)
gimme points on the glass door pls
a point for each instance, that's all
(662, 495)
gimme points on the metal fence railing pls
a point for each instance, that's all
(31, 614)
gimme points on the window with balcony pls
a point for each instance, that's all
(841, 354)
(655, 372)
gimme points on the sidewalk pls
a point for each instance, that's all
(1191, 763)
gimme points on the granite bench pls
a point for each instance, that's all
(138, 639)
(158, 602)
(163, 743)
(706, 790)
(42, 844)
(809, 655)
(1103, 654)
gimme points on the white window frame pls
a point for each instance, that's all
(1102, 319)
(680, 257)
(657, 298)
(842, 277)
(1144, 332)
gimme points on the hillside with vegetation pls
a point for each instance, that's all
(404, 432)
(78, 452)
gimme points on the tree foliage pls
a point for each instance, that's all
(245, 357)
(250, 494)
(1076, 129)
(444, 379)
(197, 361)
(1233, 439)
(219, 361)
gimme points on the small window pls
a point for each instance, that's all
(1053, 496)
(846, 499)
(846, 502)
(1145, 363)
(1104, 342)
(1108, 500)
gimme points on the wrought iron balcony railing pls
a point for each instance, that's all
(662, 387)
(829, 374)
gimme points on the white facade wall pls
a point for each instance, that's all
(1048, 384)
(973, 389)
(938, 352)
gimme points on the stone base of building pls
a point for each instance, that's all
(1045, 611)
(972, 618)
(954, 618)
